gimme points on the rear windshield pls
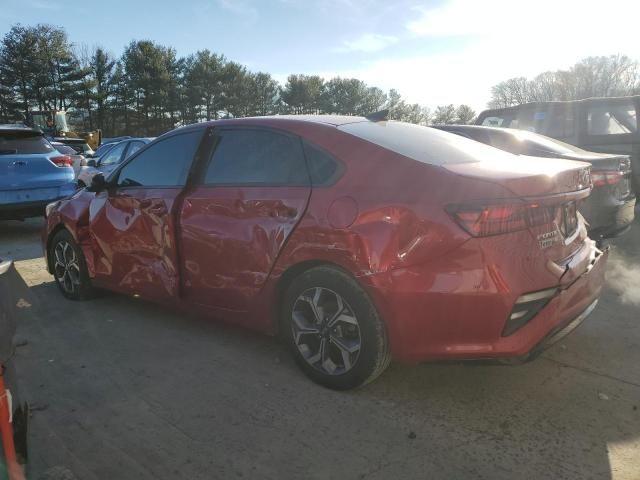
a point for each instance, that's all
(538, 141)
(12, 142)
(424, 144)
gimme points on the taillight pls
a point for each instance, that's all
(486, 220)
(62, 161)
(601, 178)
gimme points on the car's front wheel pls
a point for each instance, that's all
(69, 267)
(334, 330)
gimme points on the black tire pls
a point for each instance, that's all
(368, 331)
(81, 185)
(76, 276)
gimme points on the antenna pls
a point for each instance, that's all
(379, 116)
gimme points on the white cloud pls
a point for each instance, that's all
(502, 39)
(369, 42)
(477, 44)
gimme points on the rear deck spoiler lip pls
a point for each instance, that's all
(557, 198)
(550, 199)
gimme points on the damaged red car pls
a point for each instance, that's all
(358, 239)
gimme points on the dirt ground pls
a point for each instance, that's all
(125, 390)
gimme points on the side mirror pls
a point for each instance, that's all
(92, 163)
(98, 183)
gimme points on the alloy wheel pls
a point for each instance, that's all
(326, 331)
(66, 267)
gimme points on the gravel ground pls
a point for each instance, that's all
(125, 390)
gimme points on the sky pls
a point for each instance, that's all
(433, 52)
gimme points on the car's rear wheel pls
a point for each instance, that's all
(69, 267)
(334, 330)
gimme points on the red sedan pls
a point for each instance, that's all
(359, 240)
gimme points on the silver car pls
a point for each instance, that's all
(110, 159)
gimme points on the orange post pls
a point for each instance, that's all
(13, 467)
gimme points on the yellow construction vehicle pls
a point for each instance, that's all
(54, 123)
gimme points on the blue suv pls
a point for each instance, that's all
(32, 173)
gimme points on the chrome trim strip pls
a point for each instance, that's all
(531, 297)
(571, 326)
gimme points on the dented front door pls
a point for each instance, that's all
(133, 235)
(132, 224)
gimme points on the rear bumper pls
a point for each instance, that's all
(20, 204)
(19, 211)
(429, 320)
(608, 217)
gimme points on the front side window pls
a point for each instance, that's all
(164, 164)
(248, 157)
(113, 156)
(613, 119)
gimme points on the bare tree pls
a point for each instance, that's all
(464, 114)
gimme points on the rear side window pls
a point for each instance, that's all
(12, 142)
(256, 157)
(557, 121)
(323, 168)
(164, 164)
(613, 119)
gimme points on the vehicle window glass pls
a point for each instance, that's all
(134, 147)
(613, 119)
(557, 121)
(246, 156)
(165, 164)
(494, 122)
(323, 169)
(113, 155)
(525, 120)
(12, 142)
(423, 144)
(65, 150)
(507, 142)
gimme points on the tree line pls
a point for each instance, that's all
(148, 89)
(604, 76)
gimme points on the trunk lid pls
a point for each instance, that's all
(547, 192)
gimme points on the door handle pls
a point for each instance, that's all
(153, 207)
(284, 212)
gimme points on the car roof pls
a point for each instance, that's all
(16, 127)
(273, 120)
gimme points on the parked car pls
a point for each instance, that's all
(78, 159)
(106, 144)
(605, 125)
(358, 240)
(32, 173)
(110, 159)
(609, 210)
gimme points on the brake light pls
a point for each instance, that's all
(62, 161)
(486, 220)
(606, 177)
